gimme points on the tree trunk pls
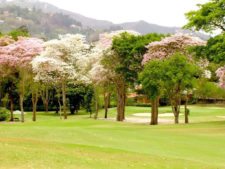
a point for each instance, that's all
(154, 112)
(60, 108)
(64, 100)
(21, 108)
(46, 106)
(186, 111)
(11, 109)
(106, 101)
(21, 95)
(45, 98)
(157, 110)
(176, 111)
(34, 102)
(176, 119)
(96, 109)
(121, 98)
(90, 115)
(96, 103)
(175, 100)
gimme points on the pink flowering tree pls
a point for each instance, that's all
(6, 72)
(221, 75)
(18, 56)
(63, 61)
(4, 41)
(167, 48)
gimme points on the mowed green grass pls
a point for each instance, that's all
(84, 143)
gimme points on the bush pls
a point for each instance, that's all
(4, 114)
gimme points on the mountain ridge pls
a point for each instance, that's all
(90, 25)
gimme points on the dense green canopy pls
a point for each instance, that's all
(130, 50)
(209, 17)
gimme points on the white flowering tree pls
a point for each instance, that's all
(63, 61)
(101, 77)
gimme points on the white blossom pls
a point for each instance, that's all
(65, 58)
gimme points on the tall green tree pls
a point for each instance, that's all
(129, 50)
(179, 75)
(214, 50)
(209, 16)
(8, 88)
(153, 84)
(171, 77)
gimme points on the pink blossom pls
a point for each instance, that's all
(221, 74)
(170, 45)
(105, 39)
(21, 52)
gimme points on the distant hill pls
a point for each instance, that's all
(39, 23)
(145, 27)
(48, 8)
(44, 19)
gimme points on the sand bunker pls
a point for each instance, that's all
(160, 115)
(17, 112)
(147, 120)
(221, 117)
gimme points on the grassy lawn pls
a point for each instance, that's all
(84, 143)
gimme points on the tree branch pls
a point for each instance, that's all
(220, 26)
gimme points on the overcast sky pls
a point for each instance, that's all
(161, 12)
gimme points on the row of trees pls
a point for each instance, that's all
(164, 65)
(70, 60)
(57, 65)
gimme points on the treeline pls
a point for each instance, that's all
(174, 67)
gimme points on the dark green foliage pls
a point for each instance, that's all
(151, 78)
(130, 50)
(209, 17)
(79, 95)
(172, 75)
(75, 94)
(4, 114)
(208, 90)
(179, 72)
(212, 67)
(88, 99)
(214, 51)
(8, 87)
(21, 31)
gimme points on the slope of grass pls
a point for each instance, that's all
(84, 143)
